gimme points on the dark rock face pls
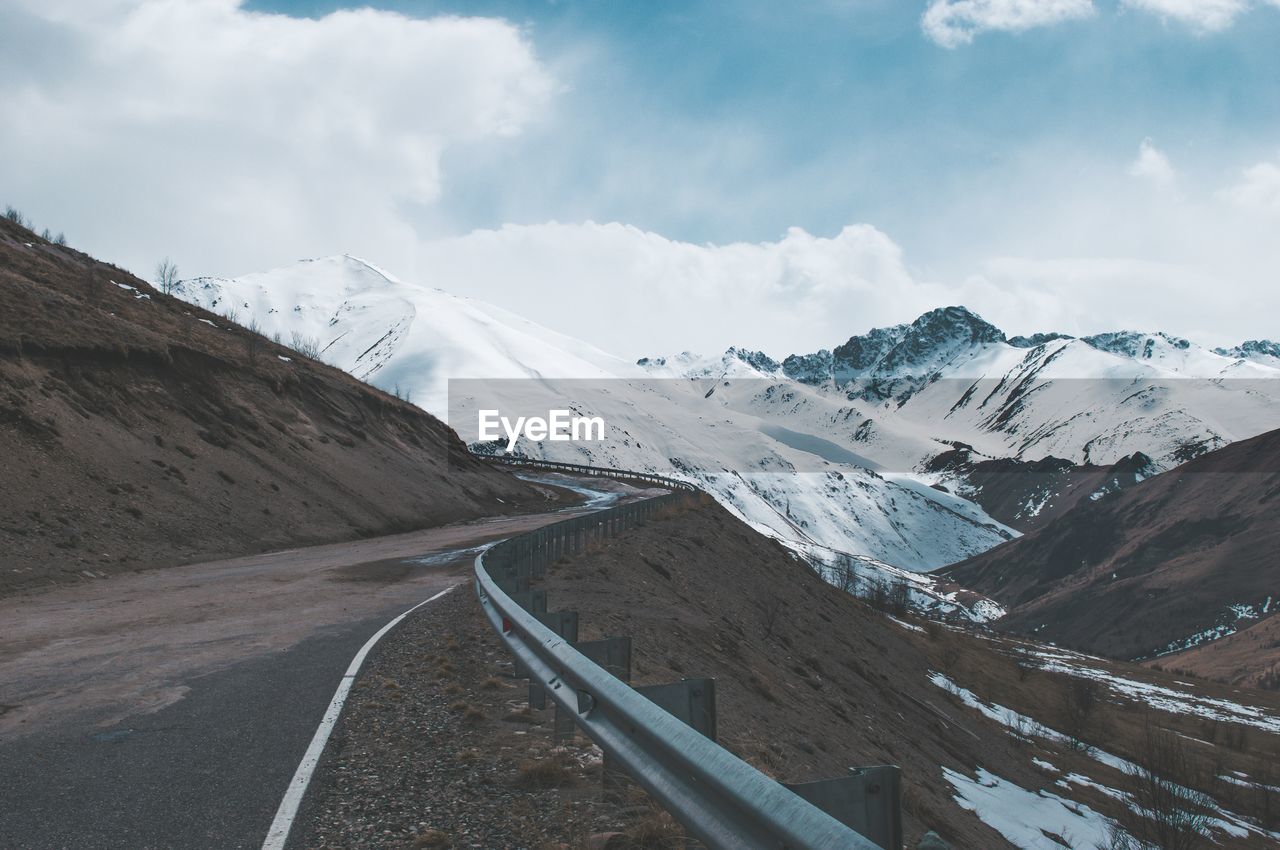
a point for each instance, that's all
(862, 354)
(809, 368)
(755, 359)
(1252, 348)
(1134, 344)
(937, 334)
(1027, 495)
(885, 362)
(1036, 340)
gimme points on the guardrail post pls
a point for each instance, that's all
(513, 578)
(868, 801)
(562, 623)
(690, 700)
(611, 653)
(533, 601)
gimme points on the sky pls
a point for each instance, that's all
(660, 176)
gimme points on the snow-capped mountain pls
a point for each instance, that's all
(390, 333)
(900, 396)
(832, 451)
(413, 340)
(1262, 351)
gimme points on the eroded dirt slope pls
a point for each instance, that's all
(138, 431)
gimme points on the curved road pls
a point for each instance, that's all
(169, 709)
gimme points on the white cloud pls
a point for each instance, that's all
(224, 133)
(637, 293)
(1153, 165)
(1258, 189)
(952, 23)
(1201, 15)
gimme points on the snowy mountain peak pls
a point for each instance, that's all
(1139, 346)
(1036, 340)
(937, 335)
(1258, 350)
(735, 362)
(897, 358)
(757, 360)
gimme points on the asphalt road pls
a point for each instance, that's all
(205, 772)
(170, 709)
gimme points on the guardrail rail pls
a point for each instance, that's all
(662, 736)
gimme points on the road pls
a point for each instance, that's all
(169, 709)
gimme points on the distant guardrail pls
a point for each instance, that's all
(662, 736)
(596, 471)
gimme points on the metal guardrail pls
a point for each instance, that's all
(596, 471)
(720, 799)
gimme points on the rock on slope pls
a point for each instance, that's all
(137, 430)
(1171, 560)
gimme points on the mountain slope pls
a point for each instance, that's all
(425, 343)
(139, 431)
(1175, 558)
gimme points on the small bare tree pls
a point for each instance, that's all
(307, 346)
(16, 216)
(1080, 703)
(1174, 818)
(253, 340)
(166, 275)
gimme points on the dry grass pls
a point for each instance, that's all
(656, 831)
(433, 839)
(544, 773)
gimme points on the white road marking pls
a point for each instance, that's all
(278, 835)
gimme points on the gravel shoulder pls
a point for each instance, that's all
(437, 748)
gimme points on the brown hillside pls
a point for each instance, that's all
(1250, 657)
(1129, 574)
(137, 431)
(809, 681)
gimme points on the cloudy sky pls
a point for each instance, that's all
(676, 175)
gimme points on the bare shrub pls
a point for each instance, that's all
(950, 653)
(166, 275)
(14, 215)
(1081, 700)
(253, 340)
(877, 594)
(1117, 839)
(1174, 818)
(307, 346)
(844, 575)
(544, 773)
(1265, 804)
(899, 598)
(657, 831)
